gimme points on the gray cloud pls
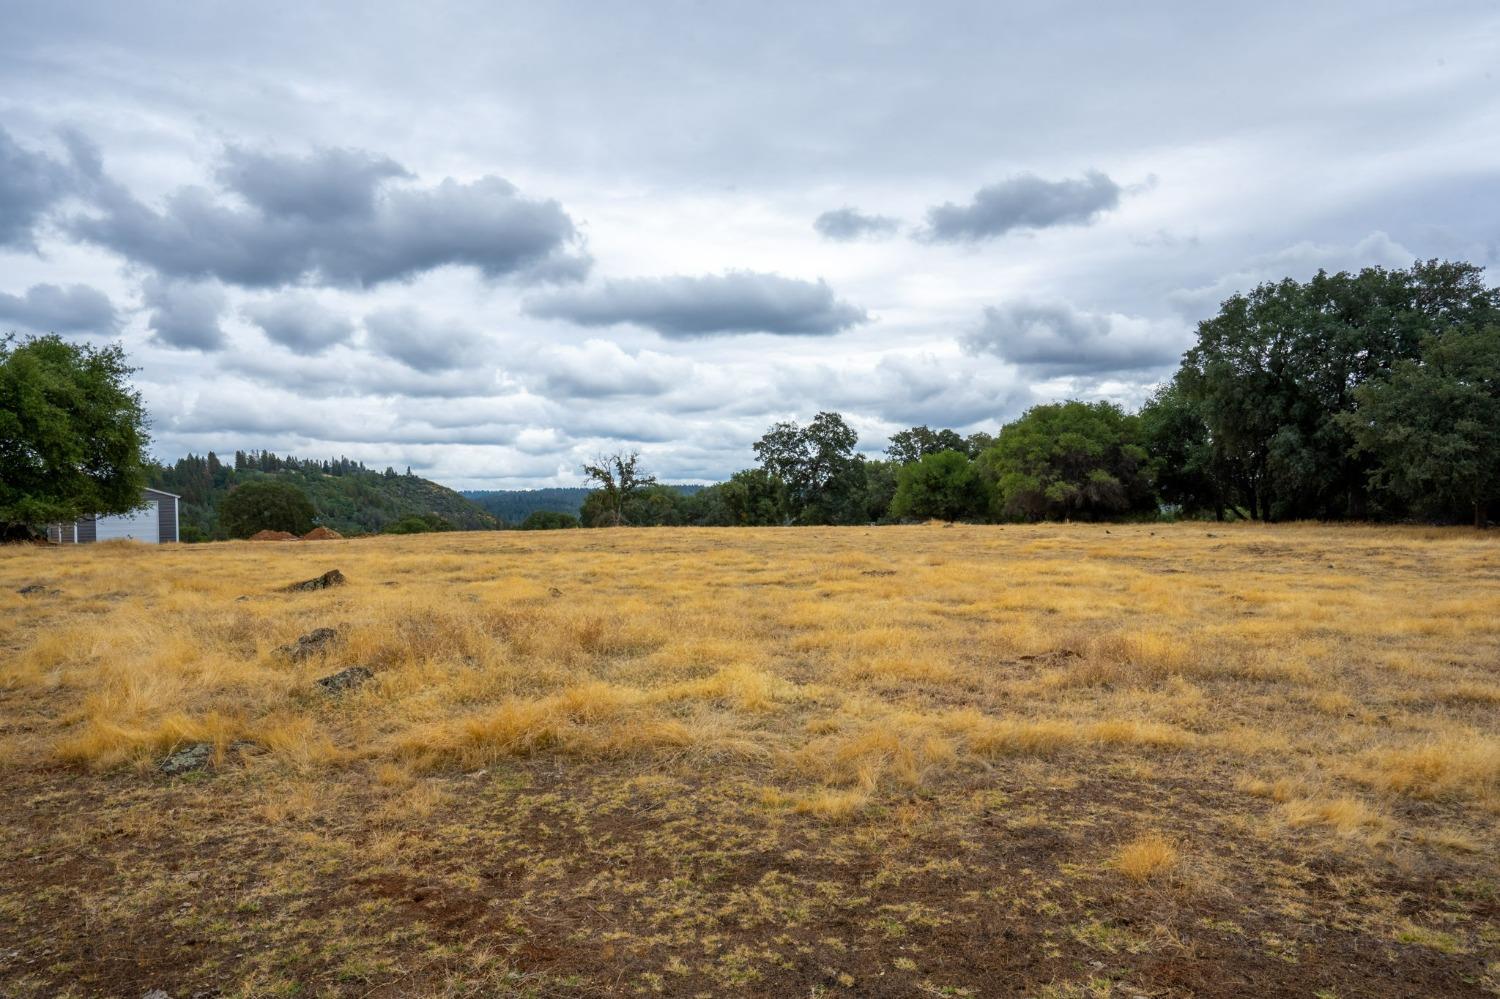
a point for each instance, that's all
(50, 308)
(424, 343)
(1024, 201)
(901, 389)
(1054, 339)
(847, 224)
(185, 314)
(326, 184)
(783, 107)
(353, 374)
(30, 184)
(300, 323)
(334, 218)
(682, 307)
(598, 370)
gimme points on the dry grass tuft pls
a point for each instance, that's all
(1148, 857)
(1455, 766)
(1345, 814)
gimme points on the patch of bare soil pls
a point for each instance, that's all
(552, 879)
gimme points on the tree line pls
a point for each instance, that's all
(1373, 395)
(1351, 396)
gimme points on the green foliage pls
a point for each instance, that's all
(945, 485)
(72, 433)
(752, 498)
(418, 524)
(513, 506)
(653, 505)
(1070, 460)
(881, 478)
(1273, 373)
(915, 444)
(548, 520)
(619, 480)
(824, 478)
(1183, 469)
(266, 505)
(1433, 425)
(348, 497)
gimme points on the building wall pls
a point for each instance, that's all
(166, 513)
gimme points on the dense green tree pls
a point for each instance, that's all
(751, 498)
(1070, 460)
(1433, 424)
(881, 479)
(916, 443)
(72, 433)
(657, 505)
(978, 443)
(1183, 467)
(548, 520)
(823, 476)
(1275, 369)
(418, 523)
(944, 484)
(618, 477)
(265, 504)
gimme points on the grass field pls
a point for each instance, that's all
(1058, 761)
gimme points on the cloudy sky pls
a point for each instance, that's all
(489, 240)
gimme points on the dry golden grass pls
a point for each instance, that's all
(869, 658)
(1148, 856)
(1330, 688)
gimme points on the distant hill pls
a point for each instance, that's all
(349, 497)
(514, 505)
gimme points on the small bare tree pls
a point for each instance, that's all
(618, 476)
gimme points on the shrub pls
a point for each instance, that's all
(266, 505)
(548, 520)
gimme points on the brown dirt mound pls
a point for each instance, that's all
(273, 536)
(322, 534)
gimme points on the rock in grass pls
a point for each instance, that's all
(194, 756)
(34, 589)
(315, 642)
(345, 679)
(330, 578)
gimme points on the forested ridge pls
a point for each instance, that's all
(346, 495)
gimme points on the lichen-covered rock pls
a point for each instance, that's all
(194, 756)
(346, 679)
(37, 589)
(330, 578)
(314, 643)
